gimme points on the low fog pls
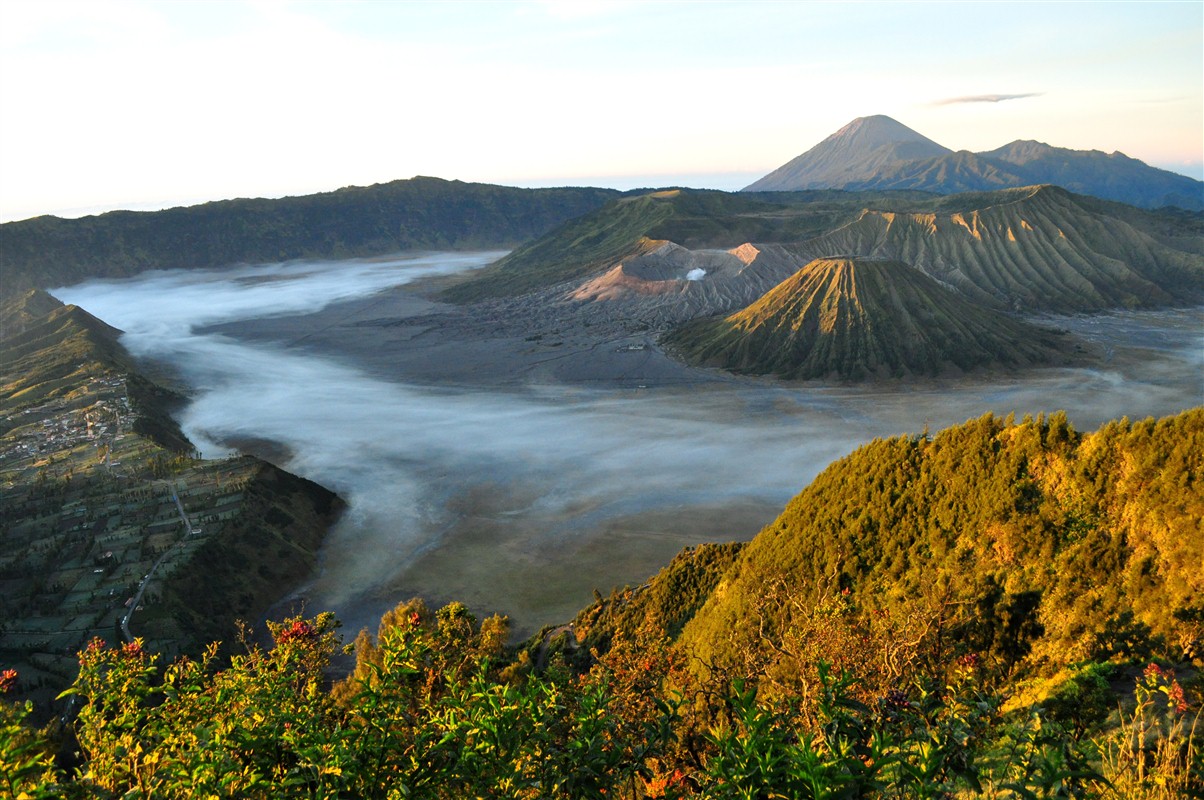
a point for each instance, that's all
(524, 500)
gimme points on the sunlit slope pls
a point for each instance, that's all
(1034, 249)
(1028, 535)
(50, 353)
(20, 310)
(47, 347)
(859, 318)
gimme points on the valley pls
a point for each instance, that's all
(521, 430)
(517, 430)
(574, 400)
(518, 474)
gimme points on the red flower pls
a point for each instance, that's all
(659, 787)
(300, 630)
(91, 653)
(1153, 672)
(8, 681)
(1174, 696)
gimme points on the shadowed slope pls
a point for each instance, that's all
(1111, 176)
(858, 318)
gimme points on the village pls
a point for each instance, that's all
(63, 424)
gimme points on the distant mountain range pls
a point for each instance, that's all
(652, 261)
(845, 285)
(880, 153)
(1036, 249)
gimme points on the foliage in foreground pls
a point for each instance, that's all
(431, 712)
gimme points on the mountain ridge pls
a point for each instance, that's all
(1027, 249)
(415, 214)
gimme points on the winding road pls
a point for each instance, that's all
(133, 606)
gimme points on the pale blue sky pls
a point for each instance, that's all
(146, 104)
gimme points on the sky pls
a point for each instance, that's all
(147, 105)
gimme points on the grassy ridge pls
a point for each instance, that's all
(632, 225)
(573, 250)
(1033, 249)
(1036, 543)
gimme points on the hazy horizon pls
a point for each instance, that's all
(119, 103)
(725, 182)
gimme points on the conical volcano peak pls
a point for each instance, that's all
(852, 318)
(877, 130)
(856, 152)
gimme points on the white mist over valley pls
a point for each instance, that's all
(522, 498)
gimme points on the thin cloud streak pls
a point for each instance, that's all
(985, 98)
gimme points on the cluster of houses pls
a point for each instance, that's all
(63, 425)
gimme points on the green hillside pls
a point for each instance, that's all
(415, 214)
(861, 318)
(572, 250)
(1031, 544)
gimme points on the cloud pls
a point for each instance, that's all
(985, 98)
